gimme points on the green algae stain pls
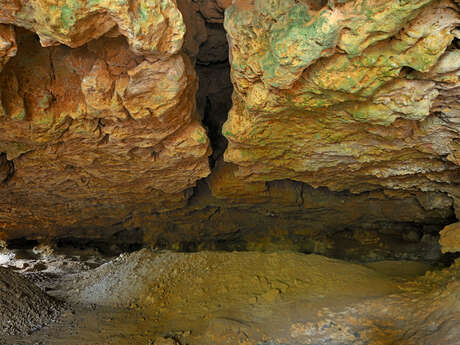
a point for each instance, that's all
(201, 137)
(44, 101)
(143, 13)
(165, 4)
(21, 115)
(67, 17)
(296, 42)
(227, 133)
(92, 3)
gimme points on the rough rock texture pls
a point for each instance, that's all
(358, 97)
(450, 238)
(291, 215)
(426, 313)
(154, 28)
(356, 101)
(93, 132)
(23, 306)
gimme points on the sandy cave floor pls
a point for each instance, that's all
(149, 297)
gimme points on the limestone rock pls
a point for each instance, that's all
(152, 27)
(7, 44)
(450, 238)
(358, 97)
(344, 126)
(201, 18)
(213, 10)
(94, 132)
(196, 32)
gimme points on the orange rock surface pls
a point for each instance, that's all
(345, 119)
(94, 128)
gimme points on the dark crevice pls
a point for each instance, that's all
(122, 241)
(6, 168)
(21, 243)
(456, 42)
(52, 77)
(214, 96)
(406, 70)
(397, 239)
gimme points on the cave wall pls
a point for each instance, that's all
(95, 127)
(330, 127)
(359, 97)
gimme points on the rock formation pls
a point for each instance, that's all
(95, 127)
(358, 98)
(253, 298)
(344, 124)
(24, 307)
(450, 238)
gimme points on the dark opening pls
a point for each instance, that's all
(214, 97)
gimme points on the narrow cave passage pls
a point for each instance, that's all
(214, 97)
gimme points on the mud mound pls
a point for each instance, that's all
(208, 279)
(282, 298)
(23, 306)
(212, 298)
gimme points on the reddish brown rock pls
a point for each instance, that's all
(196, 32)
(7, 44)
(213, 10)
(359, 105)
(91, 135)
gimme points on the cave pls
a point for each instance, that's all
(218, 172)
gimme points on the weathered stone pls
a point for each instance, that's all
(356, 101)
(196, 32)
(152, 27)
(354, 98)
(450, 238)
(165, 341)
(213, 10)
(96, 132)
(7, 44)
(215, 49)
(6, 168)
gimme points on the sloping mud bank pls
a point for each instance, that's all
(149, 297)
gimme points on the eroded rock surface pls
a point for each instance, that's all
(95, 127)
(450, 238)
(343, 133)
(154, 28)
(358, 96)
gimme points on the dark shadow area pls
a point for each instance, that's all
(214, 96)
